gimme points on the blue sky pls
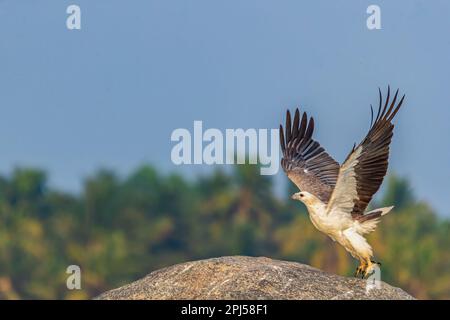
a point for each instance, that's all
(110, 94)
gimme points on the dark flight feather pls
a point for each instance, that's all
(305, 162)
(372, 162)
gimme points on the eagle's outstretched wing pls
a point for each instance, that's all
(305, 162)
(362, 173)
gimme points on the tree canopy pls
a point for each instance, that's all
(120, 229)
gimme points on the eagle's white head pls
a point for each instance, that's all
(307, 198)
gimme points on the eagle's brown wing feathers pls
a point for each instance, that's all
(363, 171)
(305, 162)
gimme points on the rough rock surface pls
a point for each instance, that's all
(239, 277)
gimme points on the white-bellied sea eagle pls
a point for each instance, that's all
(337, 196)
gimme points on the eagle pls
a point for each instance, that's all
(336, 196)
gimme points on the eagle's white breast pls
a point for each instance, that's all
(341, 228)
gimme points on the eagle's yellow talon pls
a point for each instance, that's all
(360, 270)
(370, 269)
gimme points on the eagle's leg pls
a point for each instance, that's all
(361, 268)
(369, 268)
(357, 271)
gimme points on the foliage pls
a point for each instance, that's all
(119, 230)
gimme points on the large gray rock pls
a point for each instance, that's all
(240, 277)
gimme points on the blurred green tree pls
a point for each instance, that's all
(118, 230)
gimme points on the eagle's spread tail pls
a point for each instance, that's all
(368, 221)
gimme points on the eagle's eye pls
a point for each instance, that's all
(301, 195)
